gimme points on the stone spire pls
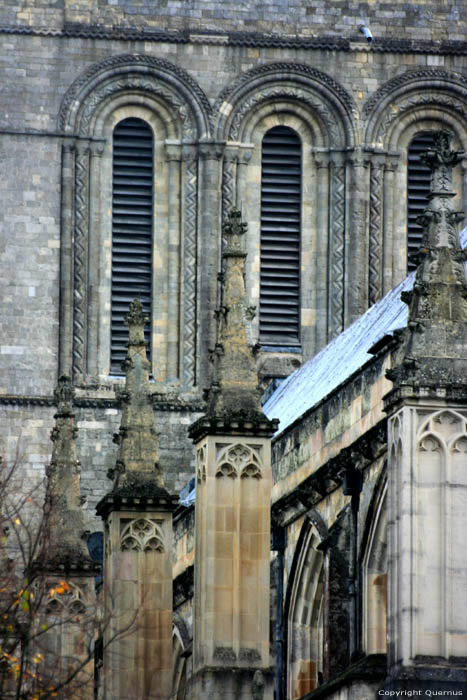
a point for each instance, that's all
(138, 542)
(432, 352)
(234, 392)
(137, 465)
(66, 527)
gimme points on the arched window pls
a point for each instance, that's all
(418, 188)
(281, 176)
(132, 217)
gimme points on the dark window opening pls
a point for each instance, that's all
(281, 175)
(418, 188)
(132, 216)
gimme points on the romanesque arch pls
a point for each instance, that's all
(409, 104)
(177, 111)
(322, 114)
(133, 75)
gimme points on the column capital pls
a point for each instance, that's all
(211, 150)
(173, 150)
(97, 148)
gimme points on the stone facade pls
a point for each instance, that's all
(211, 79)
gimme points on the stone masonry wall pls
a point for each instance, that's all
(415, 20)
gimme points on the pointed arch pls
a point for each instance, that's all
(375, 573)
(303, 611)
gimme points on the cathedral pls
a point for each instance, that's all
(234, 343)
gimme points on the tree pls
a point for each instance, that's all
(48, 610)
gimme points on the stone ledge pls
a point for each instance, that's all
(159, 403)
(248, 39)
(257, 425)
(158, 499)
(329, 476)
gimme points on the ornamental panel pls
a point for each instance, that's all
(141, 535)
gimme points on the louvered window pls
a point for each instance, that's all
(132, 215)
(418, 187)
(281, 174)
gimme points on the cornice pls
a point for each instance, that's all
(359, 455)
(249, 39)
(159, 403)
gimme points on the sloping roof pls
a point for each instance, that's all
(344, 355)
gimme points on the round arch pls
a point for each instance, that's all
(299, 85)
(408, 105)
(411, 97)
(135, 77)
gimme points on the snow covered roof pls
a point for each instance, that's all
(344, 355)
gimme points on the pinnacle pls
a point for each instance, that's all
(63, 484)
(138, 455)
(432, 353)
(234, 396)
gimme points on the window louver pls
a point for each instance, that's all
(418, 187)
(280, 237)
(132, 214)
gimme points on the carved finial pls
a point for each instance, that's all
(440, 159)
(136, 319)
(234, 230)
(138, 455)
(440, 255)
(64, 392)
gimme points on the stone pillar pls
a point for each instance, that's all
(427, 460)
(375, 242)
(391, 256)
(174, 156)
(137, 597)
(427, 523)
(321, 250)
(233, 494)
(95, 167)
(80, 261)
(66, 259)
(356, 244)
(137, 516)
(189, 292)
(232, 545)
(337, 245)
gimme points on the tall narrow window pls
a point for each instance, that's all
(418, 187)
(281, 174)
(132, 215)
